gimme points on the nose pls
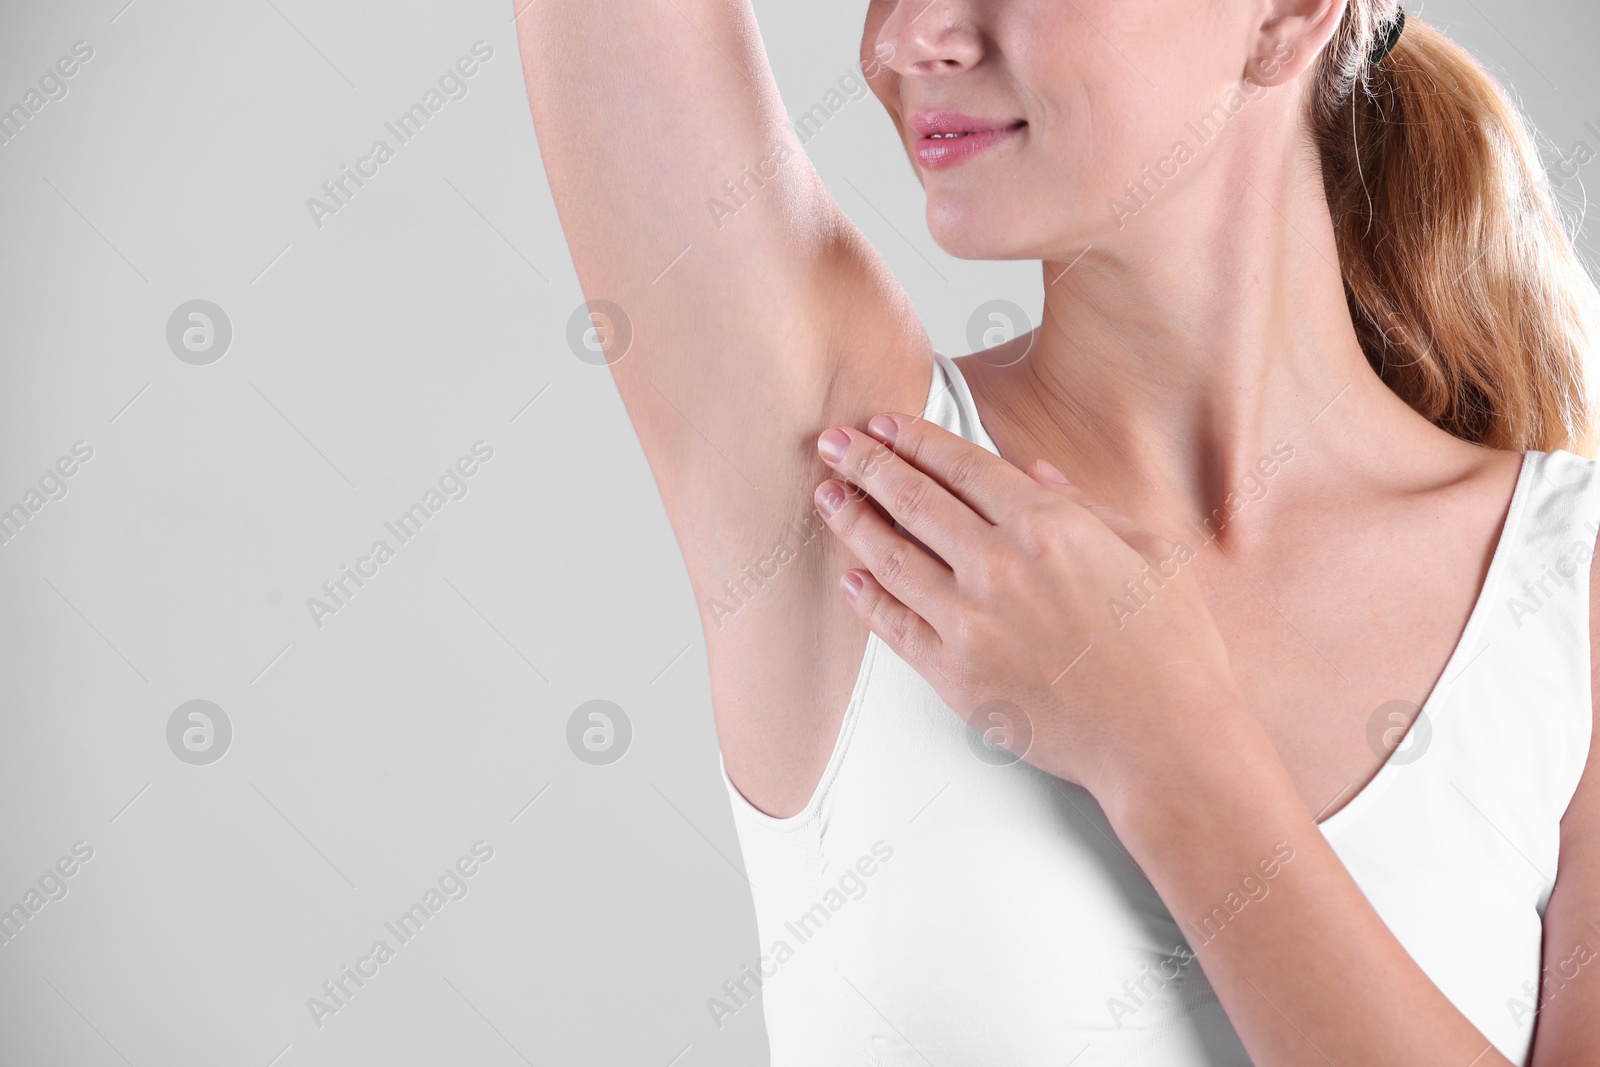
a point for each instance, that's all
(929, 37)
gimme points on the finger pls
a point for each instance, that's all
(986, 483)
(906, 633)
(913, 499)
(904, 569)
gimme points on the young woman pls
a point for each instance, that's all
(1290, 470)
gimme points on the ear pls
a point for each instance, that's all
(1289, 39)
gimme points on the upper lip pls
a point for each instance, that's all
(928, 123)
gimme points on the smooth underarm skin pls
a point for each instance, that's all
(751, 332)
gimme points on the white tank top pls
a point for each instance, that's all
(932, 907)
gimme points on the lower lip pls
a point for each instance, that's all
(942, 152)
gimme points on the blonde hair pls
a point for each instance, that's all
(1468, 296)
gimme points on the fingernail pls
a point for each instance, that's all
(884, 429)
(1048, 472)
(833, 444)
(831, 497)
(851, 583)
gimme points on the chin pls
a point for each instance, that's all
(961, 225)
(967, 228)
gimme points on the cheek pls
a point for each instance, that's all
(1099, 124)
(886, 87)
(1103, 136)
(1116, 84)
(877, 14)
(874, 60)
(1090, 124)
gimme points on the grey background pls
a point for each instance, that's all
(367, 356)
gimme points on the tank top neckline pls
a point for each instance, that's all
(1363, 797)
(1454, 668)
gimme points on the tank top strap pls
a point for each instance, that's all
(1559, 528)
(1513, 703)
(950, 404)
(1538, 620)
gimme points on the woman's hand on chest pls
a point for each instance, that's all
(1053, 625)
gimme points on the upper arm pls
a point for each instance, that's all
(760, 316)
(758, 313)
(1565, 1032)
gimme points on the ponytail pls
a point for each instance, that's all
(1467, 294)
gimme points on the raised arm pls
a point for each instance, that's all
(688, 201)
(759, 317)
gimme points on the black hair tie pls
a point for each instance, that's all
(1386, 43)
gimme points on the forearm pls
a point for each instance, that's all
(1304, 966)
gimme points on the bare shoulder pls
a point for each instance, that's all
(1491, 474)
(1463, 500)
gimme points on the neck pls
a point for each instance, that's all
(1174, 356)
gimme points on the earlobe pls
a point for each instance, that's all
(1273, 67)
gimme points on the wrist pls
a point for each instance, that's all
(1215, 762)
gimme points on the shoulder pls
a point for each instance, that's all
(1592, 543)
